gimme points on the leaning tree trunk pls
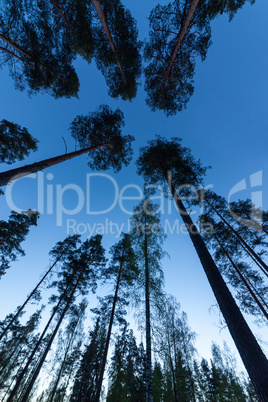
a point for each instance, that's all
(30, 296)
(149, 378)
(180, 37)
(99, 384)
(249, 286)
(251, 354)
(13, 174)
(246, 246)
(30, 359)
(44, 355)
(104, 23)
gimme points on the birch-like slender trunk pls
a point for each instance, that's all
(13, 174)
(149, 377)
(180, 37)
(251, 354)
(98, 392)
(104, 23)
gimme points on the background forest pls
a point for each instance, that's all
(131, 269)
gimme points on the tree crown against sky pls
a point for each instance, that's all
(161, 156)
(15, 142)
(103, 127)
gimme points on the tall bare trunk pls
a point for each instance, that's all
(180, 37)
(249, 287)
(104, 23)
(149, 377)
(98, 392)
(251, 354)
(13, 174)
(246, 245)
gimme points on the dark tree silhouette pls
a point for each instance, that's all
(95, 131)
(168, 162)
(15, 142)
(117, 48)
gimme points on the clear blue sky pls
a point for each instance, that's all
(225, 125)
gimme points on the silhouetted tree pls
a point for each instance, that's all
(117, 48)
(15, 142)
(98, 134)
(168, 162)
(12, 234)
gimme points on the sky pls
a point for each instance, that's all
(225, 125)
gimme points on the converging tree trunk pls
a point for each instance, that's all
(251, 354)
(181, 34)
(104, 23)
(13, 174)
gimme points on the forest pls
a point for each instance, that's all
(130, 268)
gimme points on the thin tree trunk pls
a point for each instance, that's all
(99, 384)
(19, 49)
(14, 55)
(104, 23)
(180, 37)
(13, 174)
(247, 246)
(55, 5)
(29, 361)
(30, 296)
(251, 354)
(63, 362)
(250, 287)
(149, 377)
(41, 362)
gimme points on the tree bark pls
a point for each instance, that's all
(248, 286)
(55, 5)
(149, 377)
(30, 296)
(180, 37)
(98, 392)
(251, 354)
(104, 23)
(247, 246)
(13, 174)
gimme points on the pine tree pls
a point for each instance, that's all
(99, 135)
(168, 162)
(12, 234)
(148, 239)
(15, 142)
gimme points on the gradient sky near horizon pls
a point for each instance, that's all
(225, 125)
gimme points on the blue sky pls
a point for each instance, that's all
(225, 125)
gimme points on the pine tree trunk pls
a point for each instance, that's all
(55, 5)
(149, 377)
(98, 392)
(104, 23)
(41, 362)
(14, 55)
(251, 354)
(180, 37)
(248, 286)
(30, 359)
(247, 246)
(30, 296)
(19, 49)
(10, 175)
